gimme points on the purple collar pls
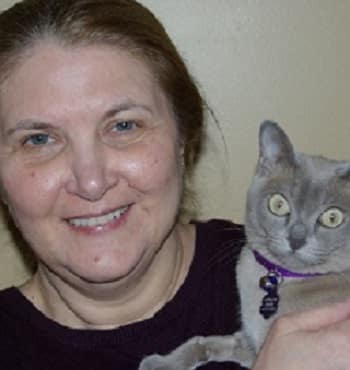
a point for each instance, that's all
(270, 266)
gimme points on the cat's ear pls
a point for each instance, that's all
(275, 149)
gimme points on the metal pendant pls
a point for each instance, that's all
(269, 304)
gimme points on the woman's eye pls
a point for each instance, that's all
(38, 140)
(125, 126)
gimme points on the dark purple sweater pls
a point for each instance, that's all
(206, 304)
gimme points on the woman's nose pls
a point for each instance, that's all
(90, 176)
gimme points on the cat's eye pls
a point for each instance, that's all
(278, 205)
(332, 218)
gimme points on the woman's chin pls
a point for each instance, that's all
(109, 272)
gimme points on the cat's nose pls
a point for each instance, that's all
(297, 236)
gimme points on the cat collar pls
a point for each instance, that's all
(271, 282)
(270, 266)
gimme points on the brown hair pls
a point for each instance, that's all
(123, 23)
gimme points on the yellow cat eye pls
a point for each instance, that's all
(278, 205)
(332, 218)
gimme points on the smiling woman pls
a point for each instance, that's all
(89, 166)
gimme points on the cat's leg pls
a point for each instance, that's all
(187, 356)
(233, 348)
(200, 350)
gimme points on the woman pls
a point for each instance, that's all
(101, 126)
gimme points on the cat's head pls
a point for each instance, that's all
(298, 206)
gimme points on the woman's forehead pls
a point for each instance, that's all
(57, 77)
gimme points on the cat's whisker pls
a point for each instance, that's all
(226, 254)
(265, 242)
(221, 259)
(230, 250)
(250, 231)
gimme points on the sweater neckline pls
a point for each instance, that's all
(174, 309)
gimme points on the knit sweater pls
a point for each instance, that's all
(206, 304)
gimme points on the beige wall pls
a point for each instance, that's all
(286, 60)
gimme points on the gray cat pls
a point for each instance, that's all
(297, 253)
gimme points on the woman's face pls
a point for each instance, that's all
(90, 161)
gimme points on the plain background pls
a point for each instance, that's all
(285, 60)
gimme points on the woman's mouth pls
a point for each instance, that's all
(96, 221)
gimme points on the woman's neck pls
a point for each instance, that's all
(106, 306)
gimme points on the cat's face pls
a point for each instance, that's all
(298, 207)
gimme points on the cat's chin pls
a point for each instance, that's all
(294, 261)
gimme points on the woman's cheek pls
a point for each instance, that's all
(155, 168)
(29, 191)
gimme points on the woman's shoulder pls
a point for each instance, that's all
(7, 295)
(218, 241)
(12, 319)
(11, 303)
(217, 231)
(218, 246)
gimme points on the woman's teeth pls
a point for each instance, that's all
(100, 220)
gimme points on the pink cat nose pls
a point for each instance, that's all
(297, 236)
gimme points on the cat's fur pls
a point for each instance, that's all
(311, 185)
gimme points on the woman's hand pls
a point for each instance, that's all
(318, 339)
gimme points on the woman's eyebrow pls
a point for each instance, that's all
(31, 124)
(120, 107)
(28, 124)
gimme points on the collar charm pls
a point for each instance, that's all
(269, 304)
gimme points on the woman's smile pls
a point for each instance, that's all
(101, 223)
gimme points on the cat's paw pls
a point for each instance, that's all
(155, 362)
(243, 351)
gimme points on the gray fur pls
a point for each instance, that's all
(297, 241)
